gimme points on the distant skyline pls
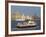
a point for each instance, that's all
(26, 10)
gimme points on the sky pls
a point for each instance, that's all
(26, 10)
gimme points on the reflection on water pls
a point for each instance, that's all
(14, 28)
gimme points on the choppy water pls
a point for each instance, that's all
(14, 28)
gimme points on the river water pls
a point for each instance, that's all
(14, 28)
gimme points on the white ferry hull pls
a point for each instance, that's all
(28, 25)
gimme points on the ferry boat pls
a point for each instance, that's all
(28, 22)
(25, 24)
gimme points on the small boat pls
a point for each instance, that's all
(20, 19)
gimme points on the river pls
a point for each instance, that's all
(14, 28)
